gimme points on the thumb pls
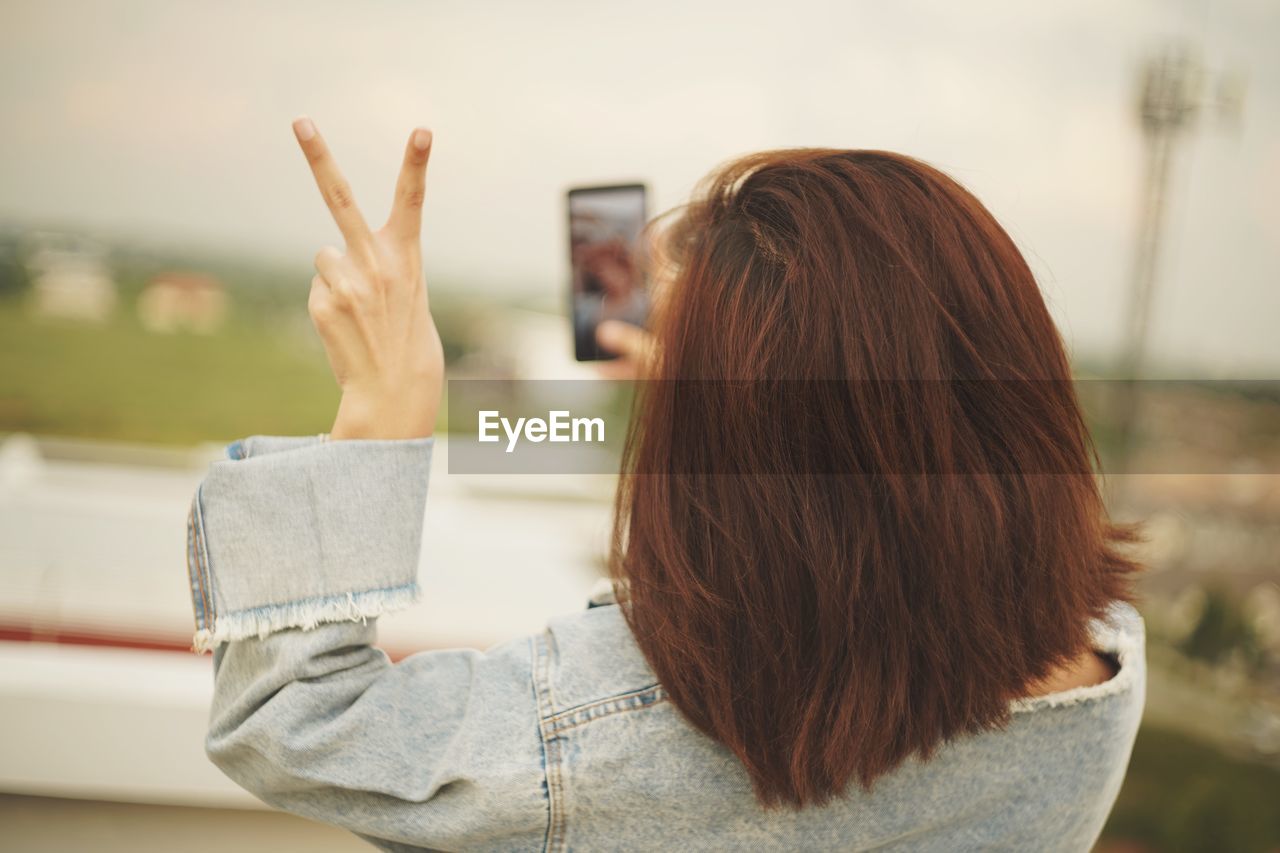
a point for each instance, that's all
(622, 338)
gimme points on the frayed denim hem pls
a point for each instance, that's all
(305, 614)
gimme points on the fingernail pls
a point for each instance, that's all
(422, 139)
(303, 128)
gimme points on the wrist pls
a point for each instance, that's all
(361, 418)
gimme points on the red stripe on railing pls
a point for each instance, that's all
(27, 634)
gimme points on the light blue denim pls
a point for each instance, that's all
(560, 740)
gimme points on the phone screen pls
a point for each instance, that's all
(605, 261)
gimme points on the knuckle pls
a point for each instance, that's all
(327, 300)
(375, 274)
(339, 195)
(319, 309)
(328, 256)
(413, 198)
(342, 297)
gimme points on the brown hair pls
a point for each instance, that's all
(827, 624)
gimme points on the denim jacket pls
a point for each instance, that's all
(560, 740)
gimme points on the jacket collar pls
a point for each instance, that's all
(601, 594)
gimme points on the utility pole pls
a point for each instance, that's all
(1172, 95)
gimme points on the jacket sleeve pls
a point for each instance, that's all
(295, 546)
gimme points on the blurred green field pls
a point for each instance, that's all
(117, 381)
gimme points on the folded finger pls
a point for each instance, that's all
(329, 263)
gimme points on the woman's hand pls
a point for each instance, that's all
(369, 302)
(634, 347)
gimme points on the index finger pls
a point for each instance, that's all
(333, 186)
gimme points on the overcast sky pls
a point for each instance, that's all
(169, 121)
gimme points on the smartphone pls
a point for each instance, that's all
(607, 269)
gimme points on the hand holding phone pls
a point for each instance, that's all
(634, 349)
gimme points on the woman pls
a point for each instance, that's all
(865, 593)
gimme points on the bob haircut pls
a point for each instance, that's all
(826, 622)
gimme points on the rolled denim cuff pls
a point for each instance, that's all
(294, 531)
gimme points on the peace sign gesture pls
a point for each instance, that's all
(369, 302)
